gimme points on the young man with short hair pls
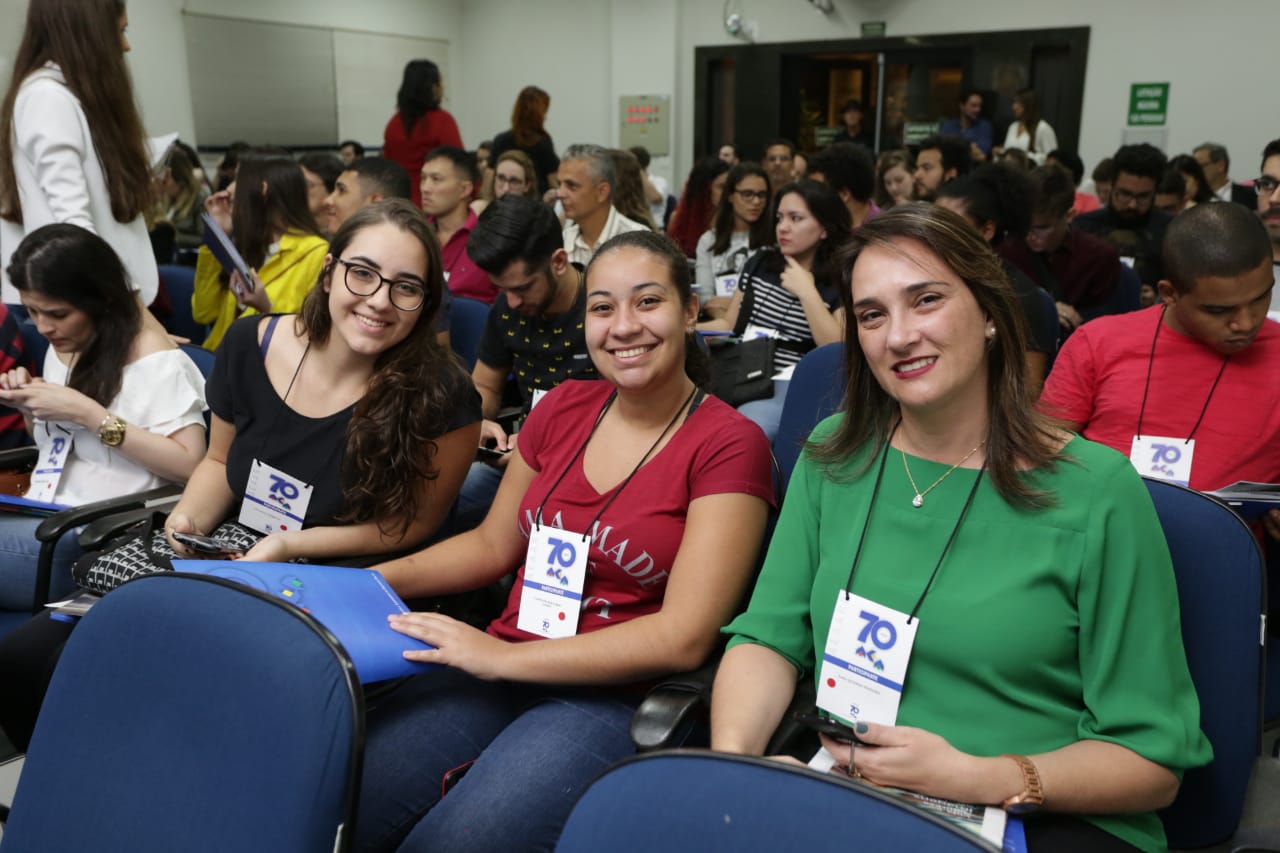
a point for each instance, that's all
(940, 159)
(363, 182)
(448, 183)
(1130, 222)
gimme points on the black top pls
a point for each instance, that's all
(542, 153)
(542, 351)
(311, 449)
(1140, 240)
(1042, 316)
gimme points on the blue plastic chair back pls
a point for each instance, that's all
(180, 283)
(714, 802)
(816, 390)
(189, 713)
(466, 326)
(1221, 590)
(202, 357)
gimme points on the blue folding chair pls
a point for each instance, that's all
(1222, 594)
(466, 326)
(190, 713)
(816, 390)
(706, 801)
(180, 283)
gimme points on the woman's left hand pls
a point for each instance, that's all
(797, 280)
(269, 549)
(49, 402)
(255, 298)
(456, 643)
(908, 758)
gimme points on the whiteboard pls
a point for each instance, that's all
(368, 69)
(267, 84)
(296, 86)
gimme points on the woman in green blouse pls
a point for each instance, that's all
(1006, 620)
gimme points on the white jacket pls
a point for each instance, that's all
(60, 179)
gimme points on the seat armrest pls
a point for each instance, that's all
(52, 528)
(97, 533)
(665, 715)
(18, 457)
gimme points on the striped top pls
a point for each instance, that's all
(775, 308)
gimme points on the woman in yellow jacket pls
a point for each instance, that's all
(276, 235)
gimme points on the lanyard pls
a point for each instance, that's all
(1146, 386)
(866, 526)
(537, 518)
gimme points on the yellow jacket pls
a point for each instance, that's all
(288, 277)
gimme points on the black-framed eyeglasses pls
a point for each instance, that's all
(753, 195)
(1126, 196)
(363, 281)
(508, 181)
(1265, 185)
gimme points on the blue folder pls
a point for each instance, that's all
(352, 603)
(13, 503)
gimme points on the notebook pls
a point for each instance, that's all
(352, 603)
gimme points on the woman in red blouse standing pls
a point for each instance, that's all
(419, 124)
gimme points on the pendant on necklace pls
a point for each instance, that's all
(917, 501)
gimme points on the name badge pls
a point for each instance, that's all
(555, 570)
(538, 394)
(1163, 458)
(1128, 261)
(752, 331)
(726, 284)
(865, 662)
(273, 500)
(48, 470)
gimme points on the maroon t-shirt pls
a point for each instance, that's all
(715, 451)
(463, 276)
(1098, 381)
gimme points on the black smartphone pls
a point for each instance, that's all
(832, 728)
(205, 544)
(483, 452)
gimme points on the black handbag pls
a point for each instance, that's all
(742, 371)
(144, 550)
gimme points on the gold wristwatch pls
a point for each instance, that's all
(1031, 798)
(111, 432)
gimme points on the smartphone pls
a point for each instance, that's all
(205, 544)
(832, 728)
(490, 452)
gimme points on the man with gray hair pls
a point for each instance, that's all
(587, 179)
(1216, 163)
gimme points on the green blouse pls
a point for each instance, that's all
(1042, 628)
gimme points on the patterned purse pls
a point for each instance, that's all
(144, 550)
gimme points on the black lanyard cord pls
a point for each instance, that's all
(1146, 386)
(866, 526)
(537, 517)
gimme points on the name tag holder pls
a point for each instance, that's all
(555, 572)
(864, 665)
(49, 467)
(274, 501)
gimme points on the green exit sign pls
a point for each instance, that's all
(1148, 103)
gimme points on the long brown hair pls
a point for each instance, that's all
(390, 447)
(628, 188)
(528, 115)
(1017, 435)
(83, 38)
(255, 215)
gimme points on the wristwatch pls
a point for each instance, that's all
(1031, 797)
(111, 432)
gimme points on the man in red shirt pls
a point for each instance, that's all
(448, 184)
(1189, 388)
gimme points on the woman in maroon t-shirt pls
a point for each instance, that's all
(419, 124)
(612, 510)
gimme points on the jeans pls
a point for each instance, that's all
(477, 494)
(19, 553)
(768, 413)
(535, 750)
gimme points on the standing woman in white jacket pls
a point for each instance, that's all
(72, 147)
(1029, 132)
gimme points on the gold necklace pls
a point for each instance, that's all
(918, 500)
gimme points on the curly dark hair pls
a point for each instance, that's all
(408, 402)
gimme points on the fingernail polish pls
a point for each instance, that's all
(861, 728)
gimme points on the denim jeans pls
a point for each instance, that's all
(477, 494)
(767, 413)
(19, 553)
(535, 750)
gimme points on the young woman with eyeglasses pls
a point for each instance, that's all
(515, 174)
(738, 229)
(352, 402)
